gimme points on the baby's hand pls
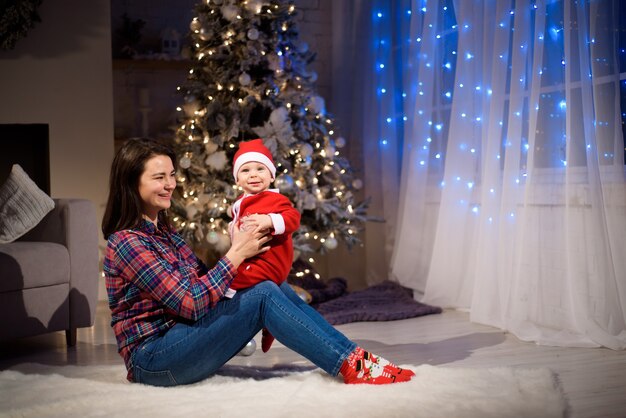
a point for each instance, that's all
(256, 222)
(243, 226)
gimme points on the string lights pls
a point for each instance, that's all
(250, 79)
(449, 91)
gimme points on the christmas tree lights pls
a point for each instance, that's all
(250, 80)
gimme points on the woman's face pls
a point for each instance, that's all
(156, 184)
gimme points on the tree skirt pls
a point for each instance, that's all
(387, 301)
(102, 391)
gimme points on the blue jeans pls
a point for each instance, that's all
(190, 352)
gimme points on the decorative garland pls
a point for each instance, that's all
(17, 17)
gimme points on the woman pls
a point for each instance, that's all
(172, 316)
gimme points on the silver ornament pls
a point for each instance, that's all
(244, 79)
(340, 142)
(357, 184)
(253, 34)
(284, 183)
(249, 349)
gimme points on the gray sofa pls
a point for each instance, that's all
(49, 277)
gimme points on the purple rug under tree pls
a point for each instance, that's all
(386, 301)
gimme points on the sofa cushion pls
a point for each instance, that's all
(22, 205)
(25, 265)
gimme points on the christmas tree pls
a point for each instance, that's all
(249, 79)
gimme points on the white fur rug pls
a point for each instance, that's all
(90, 391)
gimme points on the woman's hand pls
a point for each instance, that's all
(246, 244)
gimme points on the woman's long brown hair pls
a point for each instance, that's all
(124, 205)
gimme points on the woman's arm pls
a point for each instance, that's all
(177, 284)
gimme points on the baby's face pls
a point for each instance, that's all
(254, 177)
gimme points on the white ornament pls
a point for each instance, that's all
(340, 142)
(213, 237)
(316, 105)
(217, 161)
(185, 162)
(244, 79)
(330, 243)
(210, 147)
(357, 184)
(230, 12)
(279, 116)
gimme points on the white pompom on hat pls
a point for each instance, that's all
(253, 150)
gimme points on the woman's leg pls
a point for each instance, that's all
(191, 352)
(314, 338)
(309, 311)
(268, 338)
(400, 374)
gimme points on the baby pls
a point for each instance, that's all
(260, 207)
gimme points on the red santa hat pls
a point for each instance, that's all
(253, 151)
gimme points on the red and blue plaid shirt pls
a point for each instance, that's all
(153, 281)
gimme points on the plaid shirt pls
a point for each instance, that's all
(153, 281)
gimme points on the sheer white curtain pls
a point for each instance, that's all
(512, 198)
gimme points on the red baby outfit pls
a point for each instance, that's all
(275, 263)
